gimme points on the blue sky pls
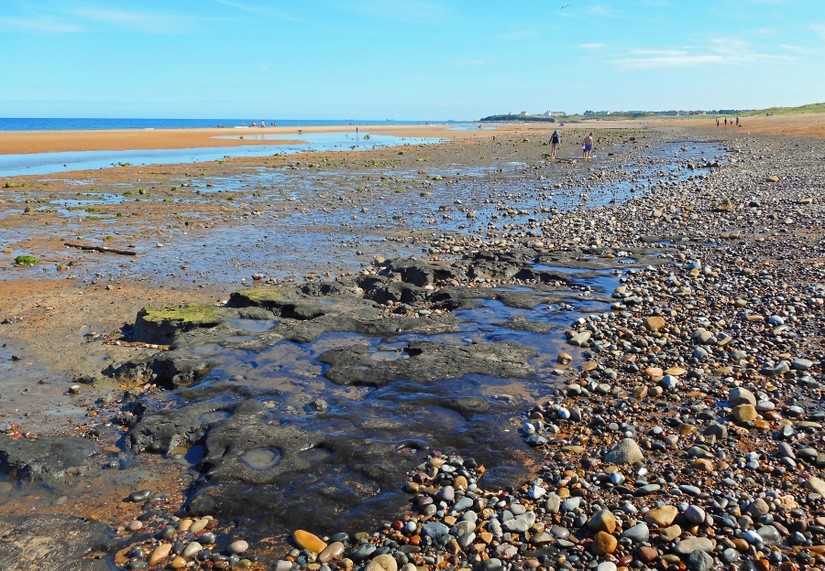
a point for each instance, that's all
(404, 60)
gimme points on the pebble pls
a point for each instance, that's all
(140, 495)
(662, 516)
(239, 546)
(308, 541)
(382, 562)
(626, 452)
(192, 549)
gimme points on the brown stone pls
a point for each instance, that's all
(160, 553)
(703, 464)
(671, 533)
(604, 544)
(655, 323)
(654, 373)
(647, 553)
(662, 516)
(602, 520)
(589, 366)
(308, 541)
(744, 413)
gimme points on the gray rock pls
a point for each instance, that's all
(51, 460)
(770, 535)
(639, 533)
(625, 452)
(699, 561)
(54, 542)
(738, 395)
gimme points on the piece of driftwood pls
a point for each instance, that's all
(104, 249)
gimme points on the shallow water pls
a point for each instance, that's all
(52, 163)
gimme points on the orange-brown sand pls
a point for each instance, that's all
(25, 142)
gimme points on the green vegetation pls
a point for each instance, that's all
(190, 313)
(624, 115)
(26, 260)
(801, 110)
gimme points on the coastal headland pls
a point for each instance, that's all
(453, 355)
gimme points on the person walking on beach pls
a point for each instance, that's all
(587, 147)
(555, 140)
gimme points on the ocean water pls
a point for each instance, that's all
(84, 123)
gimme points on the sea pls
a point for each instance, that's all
(91, 123)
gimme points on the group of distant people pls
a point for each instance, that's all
(719, 122)
(587, 145)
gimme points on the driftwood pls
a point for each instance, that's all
(104, 249)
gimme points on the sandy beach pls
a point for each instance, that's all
(25, 142)
(708, 347)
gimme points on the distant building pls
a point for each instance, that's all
(555, 114)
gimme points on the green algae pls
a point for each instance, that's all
(184, 313)
(26, 260)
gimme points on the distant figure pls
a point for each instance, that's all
(555, 140)
(587, 147)
(726, 121)
(717, 121)
(737, 120)
(357, 132)
(263, 124)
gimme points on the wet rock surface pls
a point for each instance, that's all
(54, 542)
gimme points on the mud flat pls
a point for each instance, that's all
(614, 364)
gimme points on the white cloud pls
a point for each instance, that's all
(263, 11)
(518, 35)
(414, 12)
(141, 21)
(48, 25)
(716, 51)
(593, 46)
(819, 29)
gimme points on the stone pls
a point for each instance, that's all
(688, 546)
(639, 533)
(602, 520)
(738, 395)
(308, 541)
(662, 516)
(816, 485)
(192, 549)
(239, 546)
(694, 514)
(553, 503)
(671, 533)
(655, 323)
(647, 553)
(625, 452)
(160, 553)
(745, 413)
(604, 543)
(384, 562)
(331, 552)
(699, 561)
